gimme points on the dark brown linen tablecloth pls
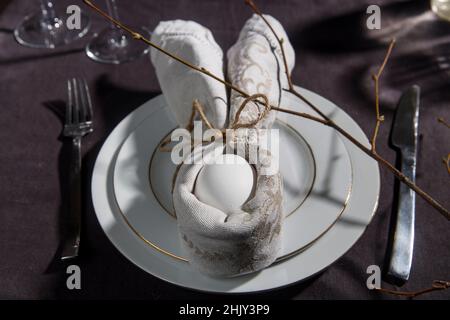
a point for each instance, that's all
(334, 58)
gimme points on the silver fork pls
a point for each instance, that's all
(78, 123)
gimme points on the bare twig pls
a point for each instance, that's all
(329, 122)
(441, 120)
(291, 87)
(324, 119)
(436, 286)
(446, 161)
(140, 37)
(199, 108)
(190, 125)
(279, 40)
(196, 108)
(376, 79)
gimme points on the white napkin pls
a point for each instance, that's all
(180, 84)
(225, 243)
(255, 64)
(230, 243)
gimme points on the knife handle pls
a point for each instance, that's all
(402, 250)
(72, 238)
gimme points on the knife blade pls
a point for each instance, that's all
(404, 137)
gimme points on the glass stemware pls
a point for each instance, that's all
(48, 29)
(441, 8)
(113, 45)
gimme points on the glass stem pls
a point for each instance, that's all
(112, 11)
(48, 11)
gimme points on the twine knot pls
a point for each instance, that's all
(261, 115)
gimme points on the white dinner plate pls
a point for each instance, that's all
(314, 164)
(126, 236)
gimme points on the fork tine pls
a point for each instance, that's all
(83, 102)
(69, 102)
(86, 107)
(76, 106)
(89, 111)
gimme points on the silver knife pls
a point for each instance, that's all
(404, 136)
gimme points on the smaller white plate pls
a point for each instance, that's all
(314, 164)
(298, 168)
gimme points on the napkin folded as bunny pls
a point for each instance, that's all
(180, 84)
(230, 243)
(225, 243)
(255, 64)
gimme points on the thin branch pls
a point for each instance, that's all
(197, 106)
(324, 120)
(436, 286)
(140, 37)
(447, 162)
(441, 120)
(329, 122)
(190, 125)
(279, 40)
(376, 79)
(303, 115)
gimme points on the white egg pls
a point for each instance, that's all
(227, 184)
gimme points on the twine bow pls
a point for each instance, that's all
(261, 115)
(197, 108)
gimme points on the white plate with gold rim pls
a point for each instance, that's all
(156, 251)
(314, 164)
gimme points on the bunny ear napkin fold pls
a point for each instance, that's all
(249, 239)
(182, 85)
(255, 64)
